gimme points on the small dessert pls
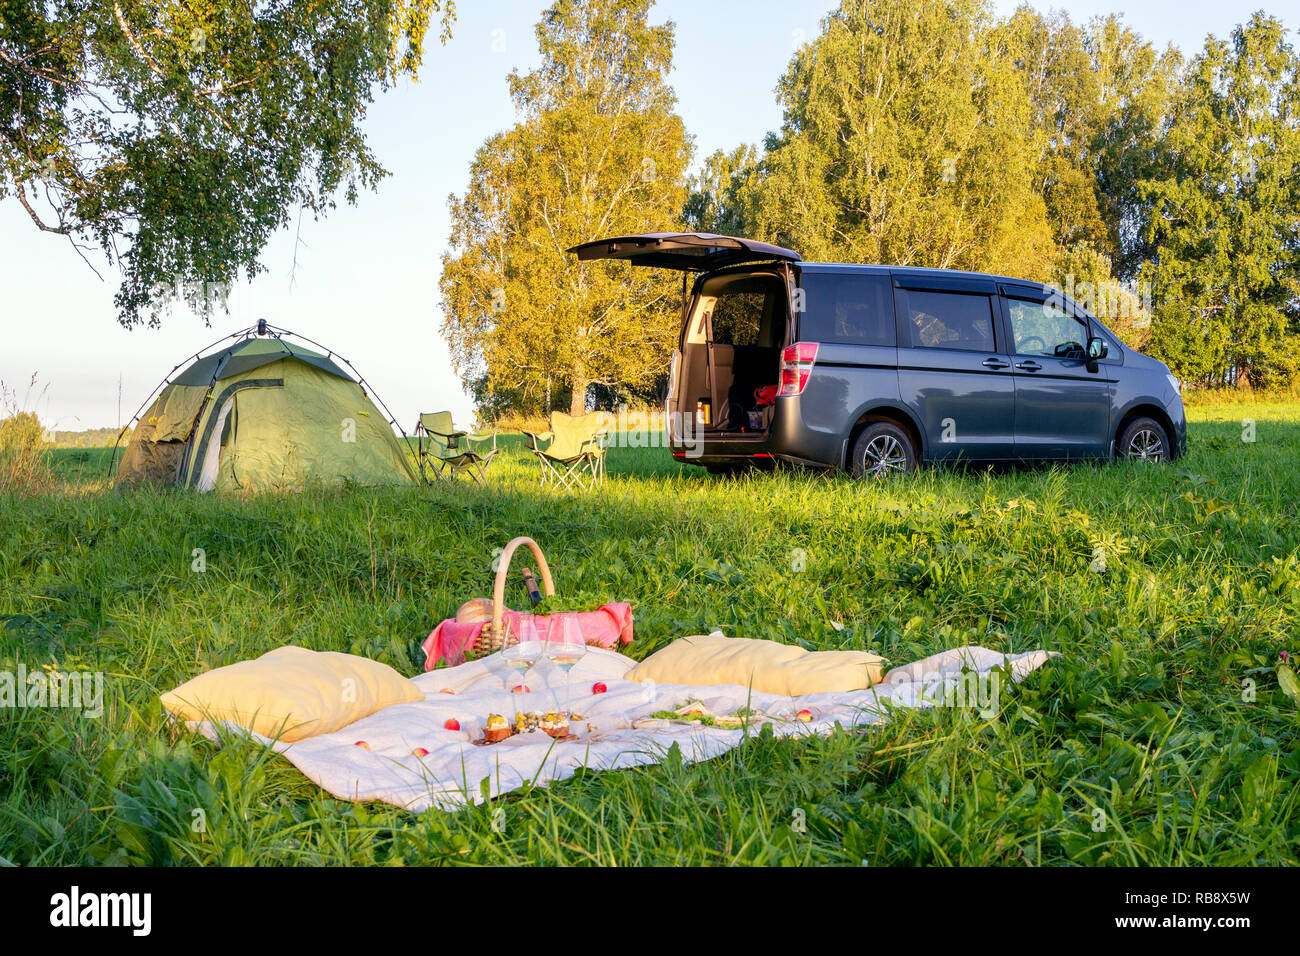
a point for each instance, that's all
(555, 724)
(496, 729)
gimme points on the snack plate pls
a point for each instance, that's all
(484, 742)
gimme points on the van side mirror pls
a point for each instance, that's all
(1097, 348)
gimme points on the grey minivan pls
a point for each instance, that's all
(875, 369)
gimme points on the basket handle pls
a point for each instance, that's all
(503, 569)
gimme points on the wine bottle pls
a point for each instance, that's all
(534, 593)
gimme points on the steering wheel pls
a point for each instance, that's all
(1024, 344)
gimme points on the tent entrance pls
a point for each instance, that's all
(209, 446)
(212, 457)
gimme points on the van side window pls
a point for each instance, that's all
(949, 320)
(847, 309)
(1044, 328)
(1109, 337)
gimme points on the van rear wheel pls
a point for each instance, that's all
(882, 449)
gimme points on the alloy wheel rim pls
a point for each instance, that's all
(884, 455)
(1146, 445)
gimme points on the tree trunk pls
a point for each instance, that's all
(578, 401)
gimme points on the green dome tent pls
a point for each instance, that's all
(263, 414)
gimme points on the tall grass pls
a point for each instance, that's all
(24, 464)
(1161, 736)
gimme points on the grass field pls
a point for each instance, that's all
(1164, 735)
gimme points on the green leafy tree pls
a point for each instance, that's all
(715, 194)
(1135, 84)
(178, 136)
(598, 151)
(1224, 212)
(904, 142)
(1058, 75)
(1098, 96)
(1082, 106)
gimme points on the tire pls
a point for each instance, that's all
(1143, 439)
(882, 449)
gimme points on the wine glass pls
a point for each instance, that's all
(521, 649)
(564, 648)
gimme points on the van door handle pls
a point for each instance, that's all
(995, 363)
(1030, 366)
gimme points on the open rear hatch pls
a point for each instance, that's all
(686, 251)
(732, 328)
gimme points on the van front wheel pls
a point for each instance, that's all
(882, 449)
(1143, 440)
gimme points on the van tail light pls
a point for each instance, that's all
(796, 365)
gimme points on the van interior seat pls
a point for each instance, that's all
(724, 357)
(738, 370)
(755, 367)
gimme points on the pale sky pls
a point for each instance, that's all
(366, 283)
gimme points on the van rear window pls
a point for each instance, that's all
(847, 309)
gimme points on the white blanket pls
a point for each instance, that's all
(455, 771)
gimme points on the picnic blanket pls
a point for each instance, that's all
(453, 772)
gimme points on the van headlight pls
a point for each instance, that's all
(1175, 382)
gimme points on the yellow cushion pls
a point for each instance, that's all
(765, 666)
(292, 693)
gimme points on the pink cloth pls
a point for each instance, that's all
(604, 627)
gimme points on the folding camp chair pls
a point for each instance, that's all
(447, 451)
(572, 453)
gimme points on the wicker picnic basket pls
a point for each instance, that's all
(493, 636)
